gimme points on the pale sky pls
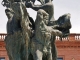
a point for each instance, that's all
(60, 7)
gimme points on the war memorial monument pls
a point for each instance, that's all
(29, 39)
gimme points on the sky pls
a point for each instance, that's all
(60, 7)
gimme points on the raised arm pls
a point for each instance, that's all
(37, 7)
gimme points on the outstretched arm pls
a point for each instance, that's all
(37, 7)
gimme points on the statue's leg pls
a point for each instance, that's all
(12, 47)
(49, 55)
(8, 52)
(24, 49)
(16, 41)
(53, 50)
(24, 52)
(38, 55)
(41, 14)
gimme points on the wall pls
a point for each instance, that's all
(68, 48)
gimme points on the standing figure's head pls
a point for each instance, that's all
(42, 16)
(9, 12)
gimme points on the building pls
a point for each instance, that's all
(68, 48)
(3, 52)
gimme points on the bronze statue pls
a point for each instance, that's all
(31, 40)
(48, 8)
(41, 42)
(19, 31)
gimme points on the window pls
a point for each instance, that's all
(2, 58)
(60, 58)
